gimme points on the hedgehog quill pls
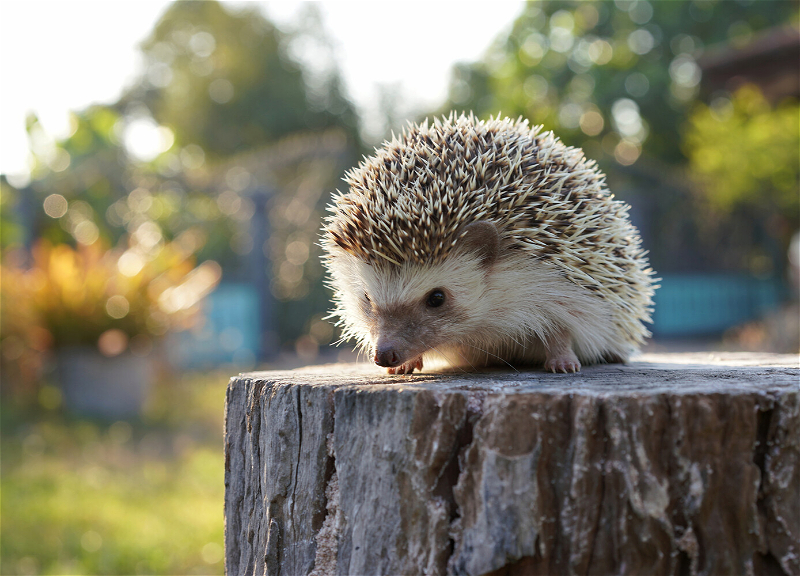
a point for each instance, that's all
(485, 243)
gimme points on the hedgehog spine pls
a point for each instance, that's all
(566, 281)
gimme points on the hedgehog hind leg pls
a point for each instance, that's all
(559, 355)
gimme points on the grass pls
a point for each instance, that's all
(128, 497)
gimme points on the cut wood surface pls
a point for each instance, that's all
(671, 464)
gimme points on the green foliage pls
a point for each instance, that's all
(83, 497)
(745, 153)
(10, 230)
(105, 195)
(224, 80)
(622, 74)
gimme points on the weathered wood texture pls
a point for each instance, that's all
(674, 464)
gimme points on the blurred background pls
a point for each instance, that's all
(165, 167)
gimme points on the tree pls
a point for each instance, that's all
(225, 81)
(623, 74)
(745, 153)
(87, 187)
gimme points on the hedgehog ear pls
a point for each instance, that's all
(480, 238)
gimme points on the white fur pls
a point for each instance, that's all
(511, 309)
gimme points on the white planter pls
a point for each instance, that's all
(95, 385)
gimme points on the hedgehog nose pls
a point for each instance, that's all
(387, 356)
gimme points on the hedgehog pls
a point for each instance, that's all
(485, 243)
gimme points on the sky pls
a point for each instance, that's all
(58, 56)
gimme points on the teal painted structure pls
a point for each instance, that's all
(702, 305)
(229, 332)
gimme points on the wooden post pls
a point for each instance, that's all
(673, 464)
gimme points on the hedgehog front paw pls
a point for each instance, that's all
(407, 368)
(565, 362)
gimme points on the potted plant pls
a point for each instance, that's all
(100, 311)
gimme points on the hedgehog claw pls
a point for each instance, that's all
(565, 364)
(406, 368)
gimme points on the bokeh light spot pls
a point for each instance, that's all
(290, 273)
(569, 115)
(563, 19)
(140, 200)
(536, 87)
(561, 39)
(297, 252)
(130, 263)
(637, 84)
(627, 152)
(221, 91)
(721, 108)
(60, 160)
(86, 232)
(238, 178)
(684, 71)
(322, 331)
(159, 74)
(212, 553)
(592, 123)
(587, 16)
(202, 44)
(641, 12)
(144, 139)
(192, 157)
(117, 306)
(55, 205)
(195, 286)
(112, 342)
(148, 235)
(229, 202)
(600, 52)
(641, 41)
(306, 347)
(533, 49)
(626, 117)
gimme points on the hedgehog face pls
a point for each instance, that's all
(400, 313)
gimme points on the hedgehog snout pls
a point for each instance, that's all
(393, 335)
(387, 355)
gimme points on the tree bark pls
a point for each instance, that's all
(674, 464)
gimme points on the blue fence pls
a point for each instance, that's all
(696, 305)
(230, 332)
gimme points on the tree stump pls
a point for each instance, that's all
(672, 464)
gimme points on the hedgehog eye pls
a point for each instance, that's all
(366, 297)
(435, 298)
